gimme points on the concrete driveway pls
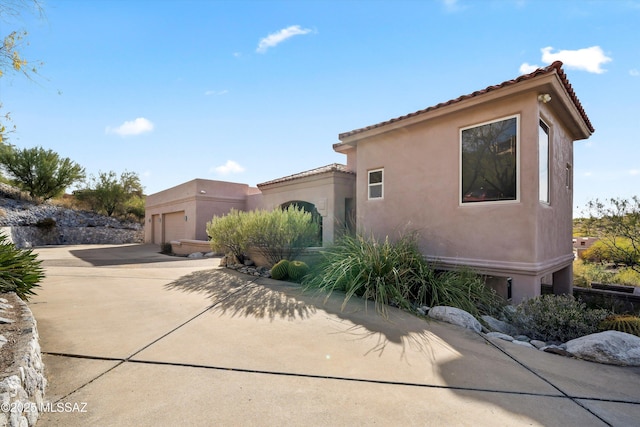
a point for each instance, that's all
(133, 337)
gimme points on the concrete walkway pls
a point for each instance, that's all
(132, 337)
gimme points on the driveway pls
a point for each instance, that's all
(133, 337)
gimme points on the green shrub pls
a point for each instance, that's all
(464, 289)
(228, 233)
(622, 323)
(557, 318)
(46, 223)
(20, 270)
(396, 272)
(297, 270)
(627, 276)
(280, 270)
(586, 273)
(277, 234)
(281, 233)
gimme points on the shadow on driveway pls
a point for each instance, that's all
(123, 255)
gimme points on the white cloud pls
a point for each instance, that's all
(134, 127)
(634, 172)
(216, 92)
(588, 59)
(453, 5)
(527, 68)
(634, 72)
(275, 39)
(228, 168)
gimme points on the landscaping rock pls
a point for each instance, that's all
(455, 316)
(523, 343)
(196, 255)
(500, 335)
(537, 344)
(556, 349)
(610, 347)
(499, 326)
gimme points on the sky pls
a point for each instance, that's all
(250, 91)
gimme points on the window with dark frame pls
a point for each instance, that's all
(489, 160)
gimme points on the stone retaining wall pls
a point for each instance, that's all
(29, 236)
(22, 383)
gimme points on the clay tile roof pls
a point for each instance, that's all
(333, 167)
(555, 67)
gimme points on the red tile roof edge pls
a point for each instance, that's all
(555, 67)
(333, 167)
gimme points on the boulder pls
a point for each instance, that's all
(500, 335)
(610, 347)
(455, 316)
(499, 326)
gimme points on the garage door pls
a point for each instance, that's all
(174, 226)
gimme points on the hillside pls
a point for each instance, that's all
(32, 224)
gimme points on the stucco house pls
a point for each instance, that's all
(486, 179)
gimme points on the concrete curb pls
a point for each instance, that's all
(22, 384)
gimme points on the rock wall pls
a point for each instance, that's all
(22, 382)
(29, 236)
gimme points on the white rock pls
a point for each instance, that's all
(500, 335)
(523, 343)
(196, 255)
(455, 316)
(610, 347)
(499, 326)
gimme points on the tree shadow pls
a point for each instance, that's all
(236, 294)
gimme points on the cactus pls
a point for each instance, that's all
(297, 270)
(280, 269)
(622, 323)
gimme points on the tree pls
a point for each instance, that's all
(11, 59)
(42, 173)
(617, 223)
(112, 195)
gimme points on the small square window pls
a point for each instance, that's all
(375, 183)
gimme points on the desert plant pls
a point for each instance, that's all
(622, 323)
(557, 318)
(586, 273)
(280, 270)
(396, 272)
(465, 289)
(281, 233)
(228, 233)
(42, 173)
(297, 270)
(384, 272)
(20, 270)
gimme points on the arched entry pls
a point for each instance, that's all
(311, 208)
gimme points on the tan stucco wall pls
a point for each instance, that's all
(326, 191)
(199, 200)
(525, 238)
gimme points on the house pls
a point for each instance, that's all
(486, 179)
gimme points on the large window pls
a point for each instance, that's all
(376, 182)
(543, 162)
(489, 161)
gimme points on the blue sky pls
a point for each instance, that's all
(249, 91)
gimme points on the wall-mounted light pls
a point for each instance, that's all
(185, 217)
(544, 98)
(149, 219)
(203, 192)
